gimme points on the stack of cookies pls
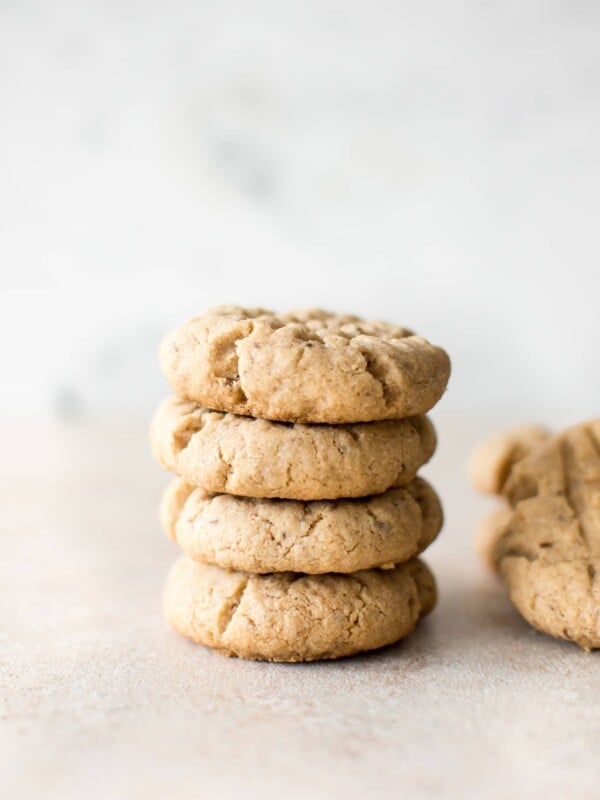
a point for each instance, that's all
(296, 440)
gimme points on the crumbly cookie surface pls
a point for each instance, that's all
(295, 617)
(548, 548)
(261, 536)
(231, 454)
(307, 366)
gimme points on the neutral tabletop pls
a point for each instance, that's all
(99, 699)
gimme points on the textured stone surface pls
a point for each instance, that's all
(100, 699)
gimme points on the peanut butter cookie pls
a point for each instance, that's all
(227, 453)
(254, 535)
(307, 366)
(294, 617)
(547, 546)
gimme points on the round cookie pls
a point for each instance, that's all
(294, 617)
(547, 547)
(307, 366)
(491, 461)
(261, 536)
(226, 453)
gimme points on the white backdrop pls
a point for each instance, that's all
(432, 163)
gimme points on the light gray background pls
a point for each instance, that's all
(432, 163)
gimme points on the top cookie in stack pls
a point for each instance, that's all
(308, 366)
(277, 424)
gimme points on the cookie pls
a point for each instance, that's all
(491, 462)
(307, 366)
(226, 453)
(548, 549)
(254, 535)
(293, 617)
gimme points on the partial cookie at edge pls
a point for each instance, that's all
(492, 460)
(548, 550)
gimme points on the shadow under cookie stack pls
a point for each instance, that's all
(296, 440)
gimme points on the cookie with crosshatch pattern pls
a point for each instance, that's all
(305, 366)
(546, 543)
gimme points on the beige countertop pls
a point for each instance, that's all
(99, 699)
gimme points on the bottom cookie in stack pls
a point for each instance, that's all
(297, 617)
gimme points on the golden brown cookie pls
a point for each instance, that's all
(226, 453)
(307, 366)
(548, 549)
(294, 617)
(254, 535)
(491, 462)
